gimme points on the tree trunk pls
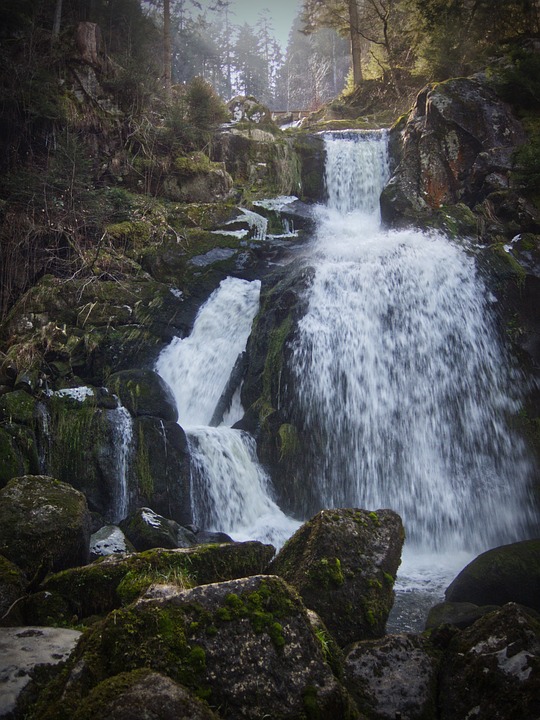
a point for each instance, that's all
(356, 42)
(167, 50)
(57, 20)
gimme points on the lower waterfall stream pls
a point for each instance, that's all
(401, 381)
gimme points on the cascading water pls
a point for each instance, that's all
(400, 377)
(122, 430)
(230, 491)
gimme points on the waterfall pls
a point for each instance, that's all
(121, 425)
(230, 490)
(400, 376)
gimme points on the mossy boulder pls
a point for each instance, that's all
(245, 646)
(394, 677)
(44, 524)
(311, 154)
(144, 392)
(145, 529)
(491, 671)
(18, 450)
(510, 573)
(115, 580)
(142, 695)
(343, 563)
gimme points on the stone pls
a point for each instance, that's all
(109, 540)
(142, 695)
(395, 677)
(246, 646)
(510, 573)
(343, 562)
(44, 524)
(145, 529)
(12, 587)
(117, 580)
(492, 670)
(22, 649)
(458, 614)
(144, 392)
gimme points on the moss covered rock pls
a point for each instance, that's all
(510, 573)
(142, 695)
(344, 563)
(394, 677)
(245, 646)
(44, 523)
(491, 671)
(12, 587)
(115, 580)
(145, 529)
(459, 614)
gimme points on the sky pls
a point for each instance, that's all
(282, 12)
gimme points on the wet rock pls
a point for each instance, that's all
(510, 573)
(116, 580)
(344, 563)
(22, 650)
(492, 669)
(144, 392)
(245, 645)
(145, 529)
(44, 524)
(310, 150)
(395, 677)
(142, 695)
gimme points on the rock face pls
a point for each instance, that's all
(44, 523)
(22, 649)
(393, 677)
(459, 614)
(457, 147)
(144, 392)
(510, 573)
(344, 563)
(493, 671)
(246, 646)
(109, 540)
(12, 586)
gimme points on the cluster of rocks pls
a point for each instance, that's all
(224, 629)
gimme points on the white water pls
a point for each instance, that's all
(122, 436)
(402, 380)
(230, 491)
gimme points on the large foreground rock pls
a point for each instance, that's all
(246, 646)
(493, 669)
(510, 573)
(24, 649)
(44, 523)
(343, 563)
(395, 677)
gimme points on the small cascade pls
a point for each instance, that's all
(121, 424)
(230, 490)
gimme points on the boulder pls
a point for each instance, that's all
(458, 614)
(142, 695)
(510, 573)
(44, 524)
(22, 651)
(492, 669)
(344, 563)
(245, 646)
(145, 529)
(456, 147)
(144, 392)
(109, 540)
(395, 677)
(115, 580)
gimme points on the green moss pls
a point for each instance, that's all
(289, 443)
(143, 469)
(130, 233)
(197, 162)
(311, 704)
(327, 572)
(510, 263)
(274, 358)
